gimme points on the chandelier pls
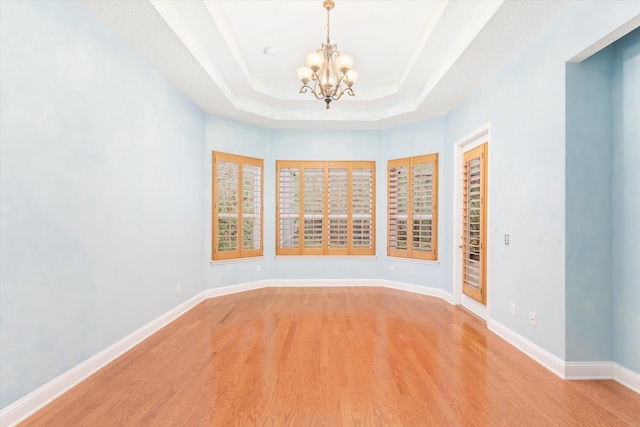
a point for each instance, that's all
(330, 73)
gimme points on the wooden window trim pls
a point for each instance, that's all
(409, 162)
(301, 166)
(240, 252)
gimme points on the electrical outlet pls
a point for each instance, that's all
(392, 267)
(258, 267)
(178, 288)
(533, 319)
(512, 309)
(506, 239)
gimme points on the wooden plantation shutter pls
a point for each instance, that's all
(330, 203)
(251, 205)
(474, 223)
(288, 207)
(338, 208)
(412, 207)
(398, 207)
(225, 212)
(313, 212)
(423, 198)
(237, 221)
(362, 197)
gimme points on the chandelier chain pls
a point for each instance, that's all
(328, 40)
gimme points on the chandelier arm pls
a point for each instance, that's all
(338, 94)
(318, 85)
(339, 90)
(316, 95)
(306, 88)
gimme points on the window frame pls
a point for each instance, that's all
(410, 252)
(351, 248)
(240, 251)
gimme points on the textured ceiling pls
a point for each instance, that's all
(416, 59)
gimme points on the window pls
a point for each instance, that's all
(237, 206)
(325, 208)
(412, 205)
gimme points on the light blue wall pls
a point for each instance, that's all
(325, 145)
(525, 103)
(603, 205)
(102, 179)
(626, 201)
(234, 137)
(283, 144)
(425, 137)
(588, 209)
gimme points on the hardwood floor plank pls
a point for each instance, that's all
(333, 356)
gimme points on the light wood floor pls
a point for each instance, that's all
(333, 357)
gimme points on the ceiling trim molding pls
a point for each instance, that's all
(167, 11)
(265, 88)
(610, 38)
(191, 42)
(450, 49)
(225, 31)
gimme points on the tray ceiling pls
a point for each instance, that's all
(416, 59)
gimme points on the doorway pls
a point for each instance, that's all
(471, 207)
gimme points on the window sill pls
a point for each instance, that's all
(325, 257)
(236, 260)
(412, 260)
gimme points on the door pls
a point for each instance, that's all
(474, 223)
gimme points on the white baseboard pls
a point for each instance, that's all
(401, 286)
(301, 283)
(21, 409)
(568, 370)
(233, 289)
(588, 370)
(603, 371)
(29, 404)
(537, 353)
(626, 377)
(418, 289)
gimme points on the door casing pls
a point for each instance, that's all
(470, 141)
